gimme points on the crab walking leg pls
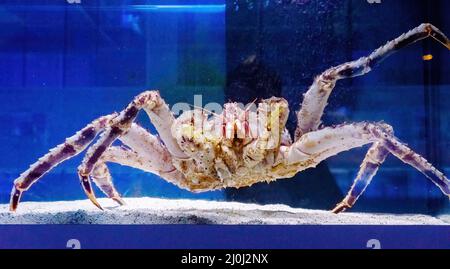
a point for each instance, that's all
(131, 158)
(149, 101)
(134, 159)
(374, 158)
(71, 147)
(102, 178)
(144, 151)
(154, 157)
(316, 98)
(314, 147)
(162, 118)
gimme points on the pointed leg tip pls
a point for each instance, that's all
(347, 203)
(341, 207)
(96, 203)
(16, 194)
(86, 184)
(92, 198)
(337, 210)
(12, 208)
(119, 200)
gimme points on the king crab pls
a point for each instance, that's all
(231, 149)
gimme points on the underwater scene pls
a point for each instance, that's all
(66, 63)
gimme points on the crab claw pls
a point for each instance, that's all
(16, 194)
(87, 187)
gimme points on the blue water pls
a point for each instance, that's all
(64, 64)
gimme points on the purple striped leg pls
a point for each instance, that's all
(71, 147)
(374, 158)
(316, 98)
(102, 178)
(131, 158)
(113, 126)
(314, 147)
(151, 102)
(142, 151)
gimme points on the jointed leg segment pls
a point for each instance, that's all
(374, 158)
(330, 141)
(143, 151)
(149, 101)
(71, 147)
(316, 98)
(315, 101)
(102, 178)
(113, 126)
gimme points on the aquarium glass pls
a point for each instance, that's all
(65, 63)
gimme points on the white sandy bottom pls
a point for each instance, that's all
(166, 211)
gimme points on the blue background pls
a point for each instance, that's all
(62, 65)
(212, 236)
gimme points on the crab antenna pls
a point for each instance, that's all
(250, 104)
(209, 112)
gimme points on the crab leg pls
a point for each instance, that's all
(374, 158)
(102, 178)
(322, 144)
(142, 151)
(113, 126)
(134, 159)
(154, 156)
(153, 104)
(71, 147)
(316, 98)
(118, 127)
(162, 119)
